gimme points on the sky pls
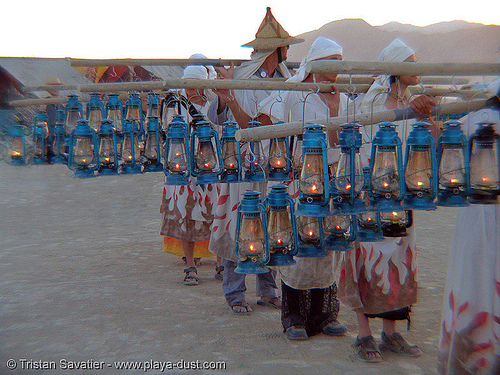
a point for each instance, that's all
(178, 29)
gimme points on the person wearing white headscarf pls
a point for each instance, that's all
(310, 304)
(366, 285)
(470, 328)
(270, 49)
(389, 92)
(187, 210)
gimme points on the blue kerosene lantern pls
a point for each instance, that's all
(453, 162)
(73, 113)
(252, 246)
(95, 111)
(420, 169)
(231, 153)
(133, 109)
(484, 151)
(311, 237)
(177, 153)
(152, 146)
(60, 139)
(386, 183)
(206, 160)
(255, 161)
(368, 224)
(349, 177)
(314, 193)
(131, 152)
(114, 112)
(280, 159)
(395, 223)
(281, 226)
(83, 159)
(340, 231)
(170, 107)
(153, 104)
(18, 148)
(108, 149)
(40, 134)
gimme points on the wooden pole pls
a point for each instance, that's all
(231, 84)
(42, 101)
(437, 91)
(403, 68)
(333, 123)
(164, 62)
(51, 88)
(436, 80)
(430, 80)
(360, 83)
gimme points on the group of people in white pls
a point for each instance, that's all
(375, 279)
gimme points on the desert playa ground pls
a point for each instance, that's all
(83, 278)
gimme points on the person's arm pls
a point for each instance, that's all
(423, 106)
(332, 100)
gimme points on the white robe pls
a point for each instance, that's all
(470, 330)
(307, 273)
(222, 238)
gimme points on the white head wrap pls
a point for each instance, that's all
(201, 72)
(321, 47)
(396, 51)
(248, 68)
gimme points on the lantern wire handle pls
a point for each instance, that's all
(317, 91)
(114, 74)
(351, 90)
(279, 99)
(372, 109)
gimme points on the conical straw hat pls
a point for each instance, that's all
(271, 35)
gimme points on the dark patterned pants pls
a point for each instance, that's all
(311, 309)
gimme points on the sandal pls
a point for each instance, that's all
(273, 302)
(190, 279)
(219, 272)
(247, 310)
(398, 344)
(364, 347)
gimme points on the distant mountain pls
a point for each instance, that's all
(441, 27)
(453, 42)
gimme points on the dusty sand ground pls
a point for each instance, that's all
(83, 277)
